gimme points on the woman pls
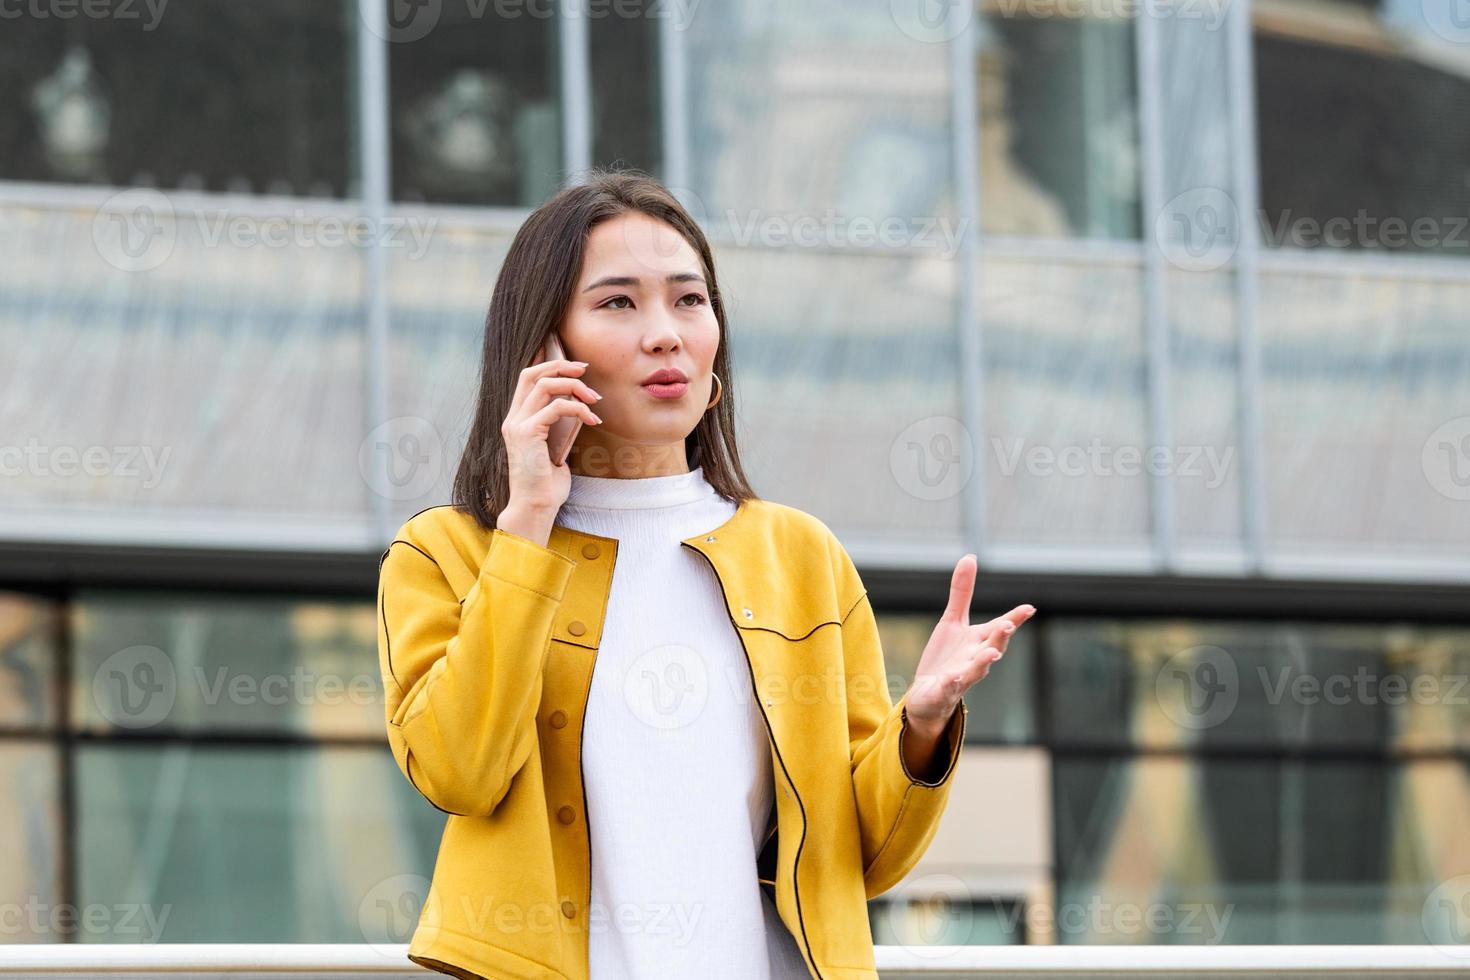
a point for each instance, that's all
(721, 795)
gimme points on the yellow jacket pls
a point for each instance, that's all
(487, 643)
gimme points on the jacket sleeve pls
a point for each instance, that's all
(462, 681)
(898, 813)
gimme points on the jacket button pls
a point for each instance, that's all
(565, 815)
(558, 719)
(590, 551)
(576, 628)
(748, 613)
(568, 909)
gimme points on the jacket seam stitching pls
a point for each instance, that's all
(788, 636)
(408, 771)
(388, 640)
(854, 605)
(518, 585)
(892, 831)
(383, 606)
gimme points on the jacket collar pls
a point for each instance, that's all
(736, 551)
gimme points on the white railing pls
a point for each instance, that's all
(894, 962)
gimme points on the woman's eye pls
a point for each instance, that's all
(698, 299)
(615, 299)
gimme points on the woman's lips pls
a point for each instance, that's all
(675, 390)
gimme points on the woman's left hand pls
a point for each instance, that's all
(958, 655)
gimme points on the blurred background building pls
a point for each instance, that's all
(1164, 310)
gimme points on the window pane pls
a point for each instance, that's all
(846, 388)
(946, 920)
(1365, 385)
(1353, 104)
(28, 661)
(210, 95)
(158, 663)
(1203, 684)
(30, 844)
(1000, 705)
(623, 48)
(474, 104)
(1171, 851)
(1065, 411)
(804, 109)
(255, 845)
(1204, 411)
(1058, 151)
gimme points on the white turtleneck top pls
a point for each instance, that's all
(675, 753)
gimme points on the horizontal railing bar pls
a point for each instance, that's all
(932, 961)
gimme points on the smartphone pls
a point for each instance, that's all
(564, 430)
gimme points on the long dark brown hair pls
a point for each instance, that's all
(532, 295)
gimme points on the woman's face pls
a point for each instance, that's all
(641, 305)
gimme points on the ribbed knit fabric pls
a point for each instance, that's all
(675, 756)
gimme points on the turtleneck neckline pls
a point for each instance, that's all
(639, 493)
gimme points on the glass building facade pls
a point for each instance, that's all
(1162, 309)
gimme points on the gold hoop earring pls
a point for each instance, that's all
(718, 394)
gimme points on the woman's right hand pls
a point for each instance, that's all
(537, 486)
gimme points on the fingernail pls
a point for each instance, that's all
(597, 417)
(599, 397)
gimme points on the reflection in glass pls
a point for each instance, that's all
(158, 662)
(1180, 851)
(474, 106)
(30, 844)
(28, 661)
(1354, 102)
(1201, 684)
(240, 844)
(1058, 153)
(205, 96)
(624, 61)
(798, 108)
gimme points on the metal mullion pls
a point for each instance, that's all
(575, 72)
(1162, 502)
(964, 81)
(373, 160)
(673, 83)
(1245, 179)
